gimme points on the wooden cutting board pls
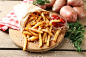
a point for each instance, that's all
(18, 39)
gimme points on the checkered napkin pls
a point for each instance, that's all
(10, 20)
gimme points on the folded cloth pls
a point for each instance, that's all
(27, 1)
(10, 20)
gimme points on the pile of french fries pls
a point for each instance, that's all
(39, 27)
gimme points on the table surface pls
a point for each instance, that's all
(9, 49)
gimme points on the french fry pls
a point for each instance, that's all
(39, 23)
(52, 31)
(47, 23)
(26, 28)
(49, 36)
(35, 30)
(42, 14)
(33, 33)
(29, 40)
(54, 21)
(26, 32)
(47, 32)
(56, 35)
(46, 39)
(25, 42)
(40, 40)
(34, 23)
(28, 36)
(33, 38)
(44, 35)
(38, 19)
(47, 20)
(40, 37)
(32, 18)
(28, 25)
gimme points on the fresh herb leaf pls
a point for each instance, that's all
(41, 2)
(75, 34)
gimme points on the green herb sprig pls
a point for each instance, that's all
(75, 34)
(41, 2)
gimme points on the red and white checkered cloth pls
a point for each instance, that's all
(10, 20)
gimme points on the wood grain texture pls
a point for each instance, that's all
(84, 0)
(5, 41)
(6, 7)
(20, 53)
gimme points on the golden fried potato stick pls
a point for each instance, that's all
(40, 40)
(47, 20)
(46, 38)
(47, 23)
(49, 36)
(26, 32)
(25, 42)
(33, 33)
(54, 21)
(47, 32)
(33, 38)
(39, 23)
(38, 19)
(28, 26)
(44, 35)
(33, 23)
(42, 14)
(56, 35)
(32, 18)
(28, 36)
(35, 30)
(40, 37)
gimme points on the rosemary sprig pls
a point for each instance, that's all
(41, 2)
(75, 34)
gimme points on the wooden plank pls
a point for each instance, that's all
(83, 21)
(5, 41)
(84, 0)
(20, 53)
(6, 7)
